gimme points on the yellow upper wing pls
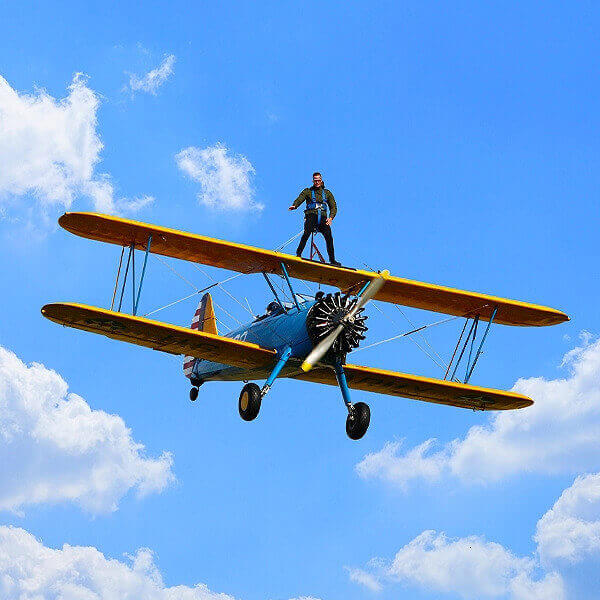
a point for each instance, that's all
(159, 336)
(420, 388)
(247, 259)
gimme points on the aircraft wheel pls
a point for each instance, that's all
(358, 421)
(193, 393)
(249, 402)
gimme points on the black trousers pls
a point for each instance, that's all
(311, 225)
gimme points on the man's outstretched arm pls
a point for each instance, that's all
(299, 200)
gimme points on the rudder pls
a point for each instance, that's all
(204, 320)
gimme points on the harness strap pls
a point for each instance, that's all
(319, 205)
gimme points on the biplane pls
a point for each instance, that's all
(307, 339)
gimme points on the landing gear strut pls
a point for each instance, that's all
(359, 414)
(251, 395)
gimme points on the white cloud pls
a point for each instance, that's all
(364, 578)
(55, 448)
(225, 179)
(570, 530)
(395, 468)
(50, 149)
(567, 534)
(31, 571)
(151, 81)
(560, 433)
(470, 567)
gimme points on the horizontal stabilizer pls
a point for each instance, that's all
(247, 259)
(159, 336)
(420, 388)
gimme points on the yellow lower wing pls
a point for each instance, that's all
(420, 388)
(159, 336)
(247, 259)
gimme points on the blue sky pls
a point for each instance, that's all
(462, 146)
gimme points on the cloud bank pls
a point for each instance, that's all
(50, 149)
(559, 434)
(225, 179)
(471, 567)
(153, 80)
(55, 448)
(31, 571)
(570, 531)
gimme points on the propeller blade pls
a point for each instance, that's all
(319, 351)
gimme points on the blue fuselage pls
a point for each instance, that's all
(274, 331)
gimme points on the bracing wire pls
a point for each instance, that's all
(198, 291)
(215, 284)
(407, 333)
(439, 357)
(289, 241)
(421, 334)
(433, 358)
(225, 290)
(187, 298)
(164, 262)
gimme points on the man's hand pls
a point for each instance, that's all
(292, 207)
(328, 221)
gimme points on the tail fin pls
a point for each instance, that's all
(204, 320)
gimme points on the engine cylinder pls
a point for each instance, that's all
(326, 314)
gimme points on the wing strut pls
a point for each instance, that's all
(471, 336)
(274, 291)
(287, 278)
(135, 297)
(136, 301)
(487, 329)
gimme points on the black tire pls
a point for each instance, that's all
(358, 421)
(249, 402)
(193, 393)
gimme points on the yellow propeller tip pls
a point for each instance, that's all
(385, 273)
(306, 366)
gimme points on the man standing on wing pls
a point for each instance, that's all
(317, 200)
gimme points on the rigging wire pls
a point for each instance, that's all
(214, 284)
(413, 325)
(228, 327)
(435, 360)
(198, 291)
(407, 333)
(222, 288)
(164, 262)
(289, 241)
(422, 335)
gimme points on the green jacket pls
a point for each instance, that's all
(305, 196)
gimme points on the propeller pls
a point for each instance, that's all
(319, 351)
